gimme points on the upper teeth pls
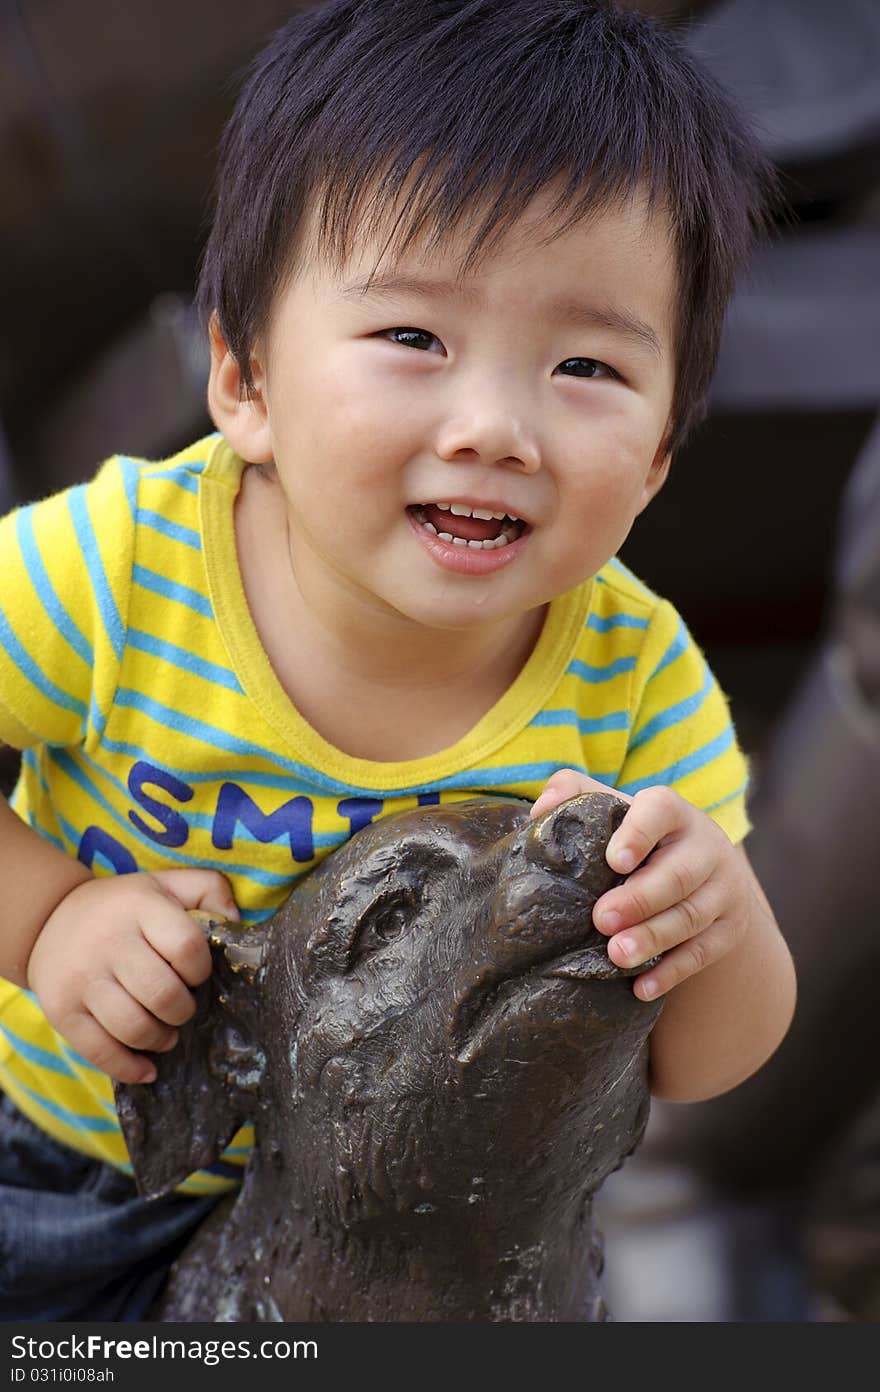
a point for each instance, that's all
(459, 510)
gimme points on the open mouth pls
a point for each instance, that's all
(484, 1013)
(479, 529)
(589, 964)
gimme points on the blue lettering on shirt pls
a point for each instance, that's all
(176, 830)
(360, 811)
(97, 842)
(293, 820)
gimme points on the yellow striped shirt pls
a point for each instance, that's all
(156, 734)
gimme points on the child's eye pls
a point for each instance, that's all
(586, 367)
(414, 338)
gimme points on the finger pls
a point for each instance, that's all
(562, 785)
(674, 872)
(180, 941)
(684, 961)
(200, 889)
(655, 813)
(125, 1018)
(94, 1043)
(678, 924)
(152, 983)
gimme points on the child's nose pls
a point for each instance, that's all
(491, 433)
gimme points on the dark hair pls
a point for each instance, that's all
(476, 106)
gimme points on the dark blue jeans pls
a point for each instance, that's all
(76, 1241)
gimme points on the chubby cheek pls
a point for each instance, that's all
(605, 487)
(359, 430)
(339, 471)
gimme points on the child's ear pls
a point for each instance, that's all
(657, 474)
(240, 415)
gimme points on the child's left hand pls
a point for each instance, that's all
(691, 901)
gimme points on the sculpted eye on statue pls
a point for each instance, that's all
(442, 1066)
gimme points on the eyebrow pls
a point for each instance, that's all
(606, 316)
(391, 283)
(568, 310)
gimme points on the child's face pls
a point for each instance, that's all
(539, 386)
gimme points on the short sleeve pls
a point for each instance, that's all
(65, 573)
(682, 734)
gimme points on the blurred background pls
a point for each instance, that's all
(763, 1205)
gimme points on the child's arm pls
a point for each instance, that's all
(110, 960)
(695, 900)
(35, 878)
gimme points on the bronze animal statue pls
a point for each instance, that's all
(442, 1066)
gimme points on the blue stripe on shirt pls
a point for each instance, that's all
(737, 792)
(130, 480)
(200, 730)
(171, 589)
(46, 591)
(683, 767)
(174, 530)
(589, 673)
(73, 1119)
(184, 475)
(183, 658)
(610, 621)
(674, 714)
(91, 555)
(78, 1059)
(97, 718)
(40, 1057)
(34, 673)
(678, 645)
(307, 781)
(585, 725)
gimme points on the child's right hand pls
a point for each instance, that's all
(114, 962)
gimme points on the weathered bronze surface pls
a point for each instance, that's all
(442, 1066)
